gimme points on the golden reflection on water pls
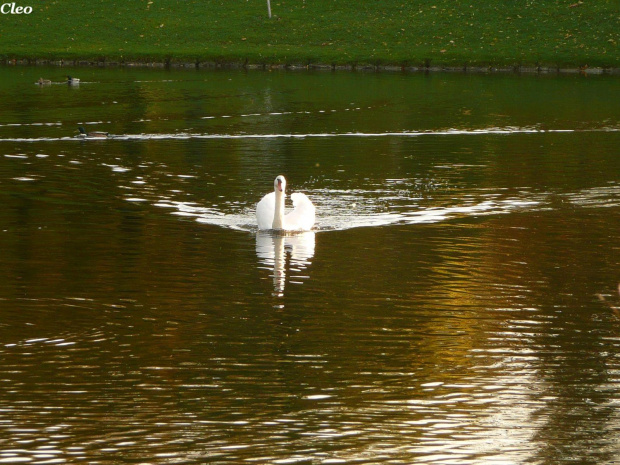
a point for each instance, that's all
(444, 311)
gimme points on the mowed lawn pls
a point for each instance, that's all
(581, 33)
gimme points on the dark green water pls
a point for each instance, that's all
(444, 310)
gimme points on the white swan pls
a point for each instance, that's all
(270, 210)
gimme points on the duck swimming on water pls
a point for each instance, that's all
(72, 81)
(92, 134)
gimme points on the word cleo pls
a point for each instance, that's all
(13, 9)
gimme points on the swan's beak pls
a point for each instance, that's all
(279, 185)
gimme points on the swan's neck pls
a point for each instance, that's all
(278, 217)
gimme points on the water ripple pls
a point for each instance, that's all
(509, 130)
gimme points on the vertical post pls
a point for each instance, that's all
(269, 7)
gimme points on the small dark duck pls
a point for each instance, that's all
(92, 134)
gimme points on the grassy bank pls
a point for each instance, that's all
(562, 33)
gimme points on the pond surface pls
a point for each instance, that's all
(443, 311)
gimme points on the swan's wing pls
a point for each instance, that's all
(265, 209)
(302, 217)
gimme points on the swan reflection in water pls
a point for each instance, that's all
(285, 253)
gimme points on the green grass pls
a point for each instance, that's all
(563, 33)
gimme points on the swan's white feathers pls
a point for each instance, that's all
(265, 211)
(300, 219)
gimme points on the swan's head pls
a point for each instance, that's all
(279, 184)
